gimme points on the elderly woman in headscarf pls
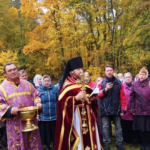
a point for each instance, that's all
(37, 80)
(47, 121)
(140, 107)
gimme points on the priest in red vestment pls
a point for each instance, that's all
(76, 125)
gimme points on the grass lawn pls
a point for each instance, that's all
(127, 147)
(113, 147)
(113, 140)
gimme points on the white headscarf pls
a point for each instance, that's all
(35, 79)
(44, 77)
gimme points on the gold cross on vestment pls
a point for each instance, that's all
(83, 80)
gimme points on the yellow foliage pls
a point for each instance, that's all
(6, 56)
(72, 28)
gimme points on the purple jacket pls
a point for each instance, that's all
(140, 98)
(127, 91)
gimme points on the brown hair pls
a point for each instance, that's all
(8, 64)
(108, 65)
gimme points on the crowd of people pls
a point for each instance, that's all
(122, 101)
(130, 97)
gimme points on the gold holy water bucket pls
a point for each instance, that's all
(28, 114)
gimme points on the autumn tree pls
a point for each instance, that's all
(101, 32)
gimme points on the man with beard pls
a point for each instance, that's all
(72, 130)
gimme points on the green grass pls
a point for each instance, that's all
(127, 147)
(113, 147)
(113, 140)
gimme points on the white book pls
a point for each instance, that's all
(95, 92)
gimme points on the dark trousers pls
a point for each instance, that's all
(3, 138)
(129, 135)
(145, 138)
(47, 132)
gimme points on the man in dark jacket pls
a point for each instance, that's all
(113, 105)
